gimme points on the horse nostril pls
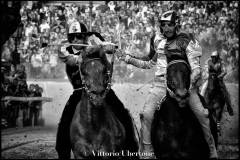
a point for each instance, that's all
(94, 92)
(98, 92)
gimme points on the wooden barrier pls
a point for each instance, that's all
(19, 120)
(25, 99)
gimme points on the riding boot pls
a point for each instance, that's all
(63, 143)
(146, 146)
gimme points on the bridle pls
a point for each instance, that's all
(171, 93)
(91, 96)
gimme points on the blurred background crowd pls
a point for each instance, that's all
(127, 23)
(214, 23)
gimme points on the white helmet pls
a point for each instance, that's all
(170, 16)
(214, 54)
(77, 29)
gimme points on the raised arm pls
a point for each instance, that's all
(156, 50)
(223, 70)
(67, 58)
(151, 52)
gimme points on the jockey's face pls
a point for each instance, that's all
(214, 59)
(168, 28)
(78, 39)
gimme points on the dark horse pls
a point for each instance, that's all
(176, 132)
(215, 100)
(101, 126)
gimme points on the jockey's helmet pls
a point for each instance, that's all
(77, 28)
(214, 54)
(170, 16)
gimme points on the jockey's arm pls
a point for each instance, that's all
(151, 52)
(141, 63)
(194, 53)
(156, 54)
(223, 70)
(69, 59)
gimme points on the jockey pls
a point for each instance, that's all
(164, 47)
(71, 55)
(215, 65)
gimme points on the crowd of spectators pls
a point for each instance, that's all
(214, 23)
(14, 84)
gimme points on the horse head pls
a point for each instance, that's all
(178, 81)
(96, 73)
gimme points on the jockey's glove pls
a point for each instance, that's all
(120, 54)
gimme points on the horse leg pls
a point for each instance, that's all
(227, 98)
(63, 143)
(213, 126)
(219, 111)
(124, 117)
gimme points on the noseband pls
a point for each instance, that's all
(91, 96)
(171, 93)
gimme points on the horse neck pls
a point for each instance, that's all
(94, 115)
(214, 84)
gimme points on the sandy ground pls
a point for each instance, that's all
(32, 143)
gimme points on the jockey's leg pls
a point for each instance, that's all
(227, 98)
(204, 88)
(125, 118)
(202, 115)
(156, 93)
(63, 143)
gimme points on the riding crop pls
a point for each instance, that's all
(77, 44)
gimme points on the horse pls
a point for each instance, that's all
(215, 100)
(96, 130)
(175, 131)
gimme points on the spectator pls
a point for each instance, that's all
(211, 21)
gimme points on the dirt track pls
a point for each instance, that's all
(40, 142)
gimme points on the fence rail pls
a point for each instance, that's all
(24, 99)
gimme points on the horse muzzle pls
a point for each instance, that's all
(181, 97)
